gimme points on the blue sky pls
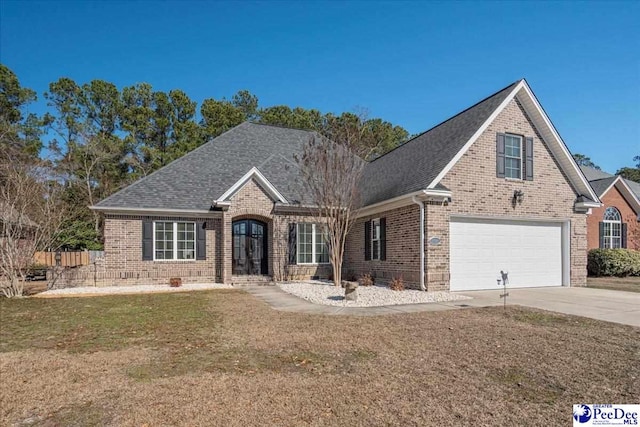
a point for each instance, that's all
(412, 63)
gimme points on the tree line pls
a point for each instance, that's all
(631, 173)
(97, 138)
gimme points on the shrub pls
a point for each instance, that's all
(367, 280)
(397, 284)
(613, 262)
(175, 282)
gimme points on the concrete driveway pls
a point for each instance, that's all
(602, 304)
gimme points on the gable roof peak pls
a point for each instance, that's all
(422, 162)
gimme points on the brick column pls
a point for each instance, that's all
(226, 247)
(437, 257)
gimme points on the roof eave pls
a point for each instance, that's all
(406, 199)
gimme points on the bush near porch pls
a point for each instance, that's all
(613, 262)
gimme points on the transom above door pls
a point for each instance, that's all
(249, 247)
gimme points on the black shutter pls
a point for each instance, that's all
(147, 240)
(383, 239)
(293, 243)
(367, 241)
(201, 240)
(624, 235)
(500, 155)
(601, 228)
(528, 159)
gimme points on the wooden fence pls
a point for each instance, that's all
(67, 259)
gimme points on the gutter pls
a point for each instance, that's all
(404, 200)
(150, 211)
(421, 204)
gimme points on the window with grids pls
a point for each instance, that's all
(612, 228)
(312, 244)
(375, 239)
(513, 156)
(174, 240)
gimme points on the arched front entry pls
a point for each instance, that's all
(250, 247)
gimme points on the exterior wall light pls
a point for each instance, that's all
(518, 197)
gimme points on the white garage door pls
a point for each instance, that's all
(530, 252)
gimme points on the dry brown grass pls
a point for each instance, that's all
(629, 284)
(224, 358)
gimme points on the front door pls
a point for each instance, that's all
(249, 247)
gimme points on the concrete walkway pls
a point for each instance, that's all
(612, 306)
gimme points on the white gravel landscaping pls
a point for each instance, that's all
(139, 289)
(327, 293)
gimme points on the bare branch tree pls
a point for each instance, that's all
(331, 173)
(31, 216)
(91, 158)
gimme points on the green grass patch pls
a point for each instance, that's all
(108, 323)
(528, 386)
(627, 284)
(188, 332)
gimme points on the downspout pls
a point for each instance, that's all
(421, 204)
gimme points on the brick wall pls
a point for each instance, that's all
(614, 198)
(477, 191)
(252, 201)
(403, 243)
(123, 264)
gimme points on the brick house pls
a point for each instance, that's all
(491, 189)
(616, 223)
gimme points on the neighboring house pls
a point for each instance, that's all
(615, 224)
(491, 189)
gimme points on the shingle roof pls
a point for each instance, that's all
(203, 175)
(415, 164)
(598, 179)
(600, 185)
(635, 187)
(197, 179)
(593, 173)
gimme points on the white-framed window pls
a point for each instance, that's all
(513, 156)
(174, 240)
(612, 228)
(375, 238)
(312, 244)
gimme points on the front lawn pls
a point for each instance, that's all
(629, 284)
(225, 358)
